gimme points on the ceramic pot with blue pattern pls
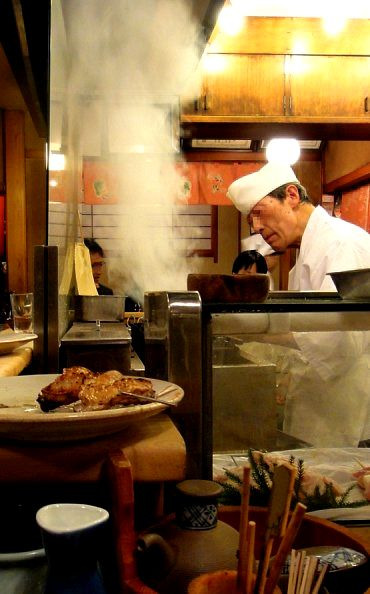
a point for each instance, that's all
(189, 543)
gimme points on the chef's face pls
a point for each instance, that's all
(97, 264)
(277, 220)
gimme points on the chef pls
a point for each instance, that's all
(327, 403)
(279, 208)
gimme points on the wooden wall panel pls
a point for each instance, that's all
(15, 201)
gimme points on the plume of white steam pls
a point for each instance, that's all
(134, 56)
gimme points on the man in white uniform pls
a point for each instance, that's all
(280, 210)
(327, 403)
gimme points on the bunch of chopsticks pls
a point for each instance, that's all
(280, 533)
(302, 571)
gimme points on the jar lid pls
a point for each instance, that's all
(200, 489)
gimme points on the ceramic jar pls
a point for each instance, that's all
(193, 542)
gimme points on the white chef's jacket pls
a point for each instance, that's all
(328, 245)
(328, 401)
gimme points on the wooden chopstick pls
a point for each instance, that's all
(279, 504)
(285, 546)
(243, 530)
(313, 561)
(250, 556)
(320, 579)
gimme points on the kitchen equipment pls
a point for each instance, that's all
(184, 339)
(352, 284)
(172, 553)
(230, 288)
(97, 346)
(21, 418)
(106, 308)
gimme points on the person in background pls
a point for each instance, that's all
(249, 262)
(279, 208)
(256, 242)
(327, 399)
(97, 264)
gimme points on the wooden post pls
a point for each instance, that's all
(15, 179)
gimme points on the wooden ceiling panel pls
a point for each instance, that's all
(280, 35)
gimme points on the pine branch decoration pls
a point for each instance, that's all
(262, 477)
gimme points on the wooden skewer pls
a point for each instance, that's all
(166, 390)
(292, 567)
(280, 498)
(295, 572)
(292, 476)
(300, 571)
(304, 572)
(285, 546)
(243, 529)
(311, 573)
(320, 579)
(250, 556)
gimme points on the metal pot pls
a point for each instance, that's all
(106, 308)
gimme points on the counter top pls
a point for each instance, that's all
(153, 446)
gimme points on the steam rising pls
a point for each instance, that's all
(131, 60)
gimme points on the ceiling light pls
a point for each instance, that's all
(214, 63)
(230, 21)
(355, 9)
(283, 150)
(57, 161)
(334, 24)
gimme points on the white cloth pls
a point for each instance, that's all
(328, 245)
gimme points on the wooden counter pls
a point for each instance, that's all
(153, 446)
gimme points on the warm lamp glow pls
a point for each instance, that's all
(283, 150)
(230, 21)
(213, 63)
(57, 162)
(334, 24)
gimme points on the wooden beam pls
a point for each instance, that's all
(254, 128)
(358, 176)
(15, 176)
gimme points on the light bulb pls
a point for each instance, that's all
(283, 150)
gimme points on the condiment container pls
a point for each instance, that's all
(193, 542)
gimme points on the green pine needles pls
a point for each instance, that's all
(262, 475)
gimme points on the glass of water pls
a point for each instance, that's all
(22, 311)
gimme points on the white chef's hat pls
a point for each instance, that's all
(246, 191)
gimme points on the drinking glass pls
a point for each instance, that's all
(22, 311)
